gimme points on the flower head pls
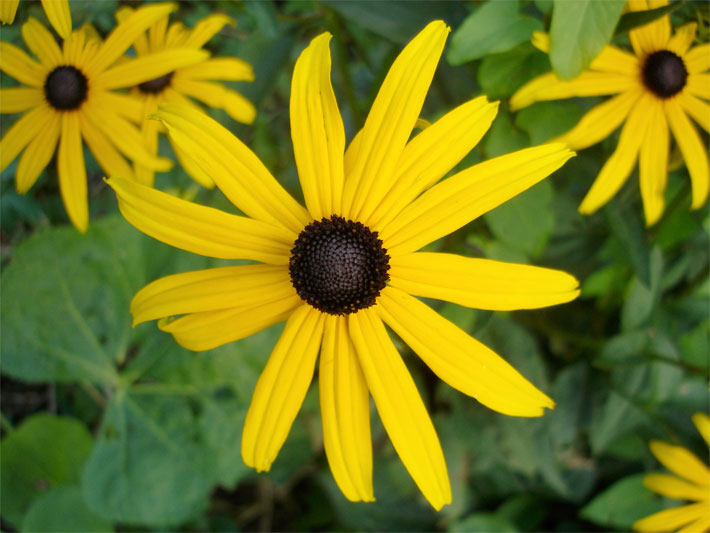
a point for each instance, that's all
(67, 96)
(657, 88)
(181, 85)
(341, 269)
(691, 482)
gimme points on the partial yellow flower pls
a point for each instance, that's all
(57, 12)
(8, 9)
(67, 95)
(657, 88)
(691, 482)
(345, 266)
(181, 85)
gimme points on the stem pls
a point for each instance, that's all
(94, 393)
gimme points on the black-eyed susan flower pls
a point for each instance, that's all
(691, 482)
(67, 95)
(657, 88)
(346, 265)
(182, 84)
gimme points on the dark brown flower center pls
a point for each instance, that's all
(65, 88)
(338, 266)
(664, 73)
(157, 85)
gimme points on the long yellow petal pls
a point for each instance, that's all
(317, 130)
(8, 10)
(653, 164)
(198, 229)
(433, 153)
(38, 154)
(59, 16)
(461, 198)
(683, 38)
(17, 64)
(72, 172)
(21, 133)
(702, 423)
(693, 150)
(217, 95)
(235, 169)
(210, 290)
(176, 35)
(103, 150)
(149, 67)
(193, 169)
(653, 36)
(210, 329)
(17, 99)
(391, 120)
(701, 524)
(681, 462)
(676, 488)
(73, 49)
(156, 33)
(219, 68)
(400, 407)
(126, 105)
(281, 388)
(41, 42)
(617, 168)
(459, 359)
(345, 412)
(610, 59)
(696, 108)
(672, 519)
(697, 59)
(698, 85)
(206, 29)
(481, 283)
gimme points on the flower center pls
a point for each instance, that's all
(65, 88)
(157, 85)
(338, 266)
(664, 73)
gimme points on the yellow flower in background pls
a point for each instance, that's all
(341, 269)
(192, 81)
(68, 95)
(8, 9)
(658, 87)
(691, 482)
(57, 12)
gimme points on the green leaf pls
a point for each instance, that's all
(487, 522)
(627, 227)
(500, 75)
(643, 299)
(492, 28)
(545, 120)
(44, 452)
(504, 137)
(65, 302)
(622, 504)
(635, 19)
(63, 509)
(578, 32)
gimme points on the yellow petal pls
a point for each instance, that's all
(217, 95)
(650, 37)
(459, 359)
(41, 43)
(598, 123)
(211, 290)
(701, 524)
(193, 169)
(345, 412)
(149, 133)
(148, 67)
(156, 33)
(103, 150)
(235, 169)
(697, 59)
(433, 153)
(22, 132)
(681, 462)
(693, 150)
(698, 85)
(38, 154)
(702, 423)
(210, 329)
(176, 35)
(17, 99)
(281, 388)
(206, 29)
(653, 164)
(683, 38)
(72, 172)
(391, 120)
(610, 59)
(73, 50)
(198, 229)
(461, 198)
(696, 108)
(17, 64)
(672, 519)
(219, 68)
(59, 16)
(126, 105)
(673, 487)
(481, 283)
(617, 168)
(8, 9)
(317, 130)
(400, 407)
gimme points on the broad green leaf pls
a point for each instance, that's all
(500, 75)
(635, 19)
(485, 522)
(43, 453)
(63, 509)
(695, 346)
(492, 28)
(578, 32)
(546, 120)
(628, 228)
(642, 300)
(504, 137)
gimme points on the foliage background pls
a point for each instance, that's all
(108, 427)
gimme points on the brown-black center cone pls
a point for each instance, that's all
(66, 88)
(664, 73)
(157, 85)
(338, 266)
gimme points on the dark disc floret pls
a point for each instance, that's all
(338, 266)
(65, 88)
(664, 73)
(157, 85)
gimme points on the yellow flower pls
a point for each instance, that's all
(195, 81)
(657, 88)
(342, 268)
(57, 12)
(68, 96)
(693, 484)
